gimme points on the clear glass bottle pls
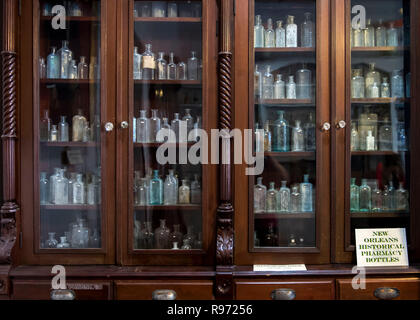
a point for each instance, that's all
(45, 127)
(365, 202)
(386, 199)
(259, 138)
(63, 243)
(44, 188)
(42, 68)
(392, 196)
(189, 120)
(303, 83)
(61, 189)
(175, 181)
(310, 133)
(181, 71)
(397, 84)
(291, 88)
(161, 66)
(186, 245)
(295, 200)
(87, 134)
(280, 35)
(53, 133)
(385, 136)
(376, 198)
(184, 195)
(402, 139)
(354, 137)
(392, 36)
(258, 82)
(192, 66)
(271, 198)
(260, 192)
(172, 69)
(176, 235)
(374, 91)
(78, 126)
(51, 242)
(270, 238)
(143, 128)
(159, 9)
(367, 121)
(82, 69)
(148, 63)
(93, 191)
(145, 9)
(63, 130)
(162, 236)
(78, 190)
(357, 84)
(96, 128)
(269, 35)
(307, 32)
(53, 181)
(268, 84)
(372, 77)
(380, 34)
(370, 142)
(53, 65)
(166, 126)
(195, 191)
(169, 191)
(306, 194)
(175, 124)
(136, 64)
(258, 33)
(267, 137)
(280, 137)
(358, 38)
(385, 88)
(354, 196)
(401, 198)
(298, 138)
(291, 32)
(72, 180)
(156, 189)
(369, 34)
(154, 125)
(279, 88)
(284, 198)
(66, 56)
(143, 193)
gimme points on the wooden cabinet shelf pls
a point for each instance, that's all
(168, 19)
(287, 50)
(375, 215)
(376, 153)
(70, 207)
(69, 144)
(179, 207)
(377, 49)
(69, 81)
(295, 155)
(379, 100)
(73, 19)
(169, 82)
(286, 102)
(281, 215)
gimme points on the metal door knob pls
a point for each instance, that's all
(341, 124)
(61, 294)
(164, 295)
(124, 125)
(283, 294)
(109, 126)
(326, 127)
(386, 293)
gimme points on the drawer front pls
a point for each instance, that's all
(298, 290)
(41, 290)
(143, 290)
(406, 289)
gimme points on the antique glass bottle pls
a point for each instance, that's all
(162, 236)
(354, 138)
(358, 38)
(44, 188)
(93, 191)
(66, 56)
(54, 133)
(188, 119)
(392, 196)
(63, 243)
(181, 69)
(143, 193)
(51, 242)
(172, 72)
(402, 138)
(42, 68)
(45, 127)
(53, 181)
(298, 138)
(175, 124)
(291, 32)
(369, 34)
(61, 189)
(367, 121)
(159, 9)
(385, 136)
(270, 238)
(370, 142)
(169, 191)
(53, 65)
(82, 69)
(267, 137)
(148, 63)
(195, 191)
(258, 33)
(357, 84)
(271, 199)
(175, 181)
(372, 76)
(79, 190)
(365, 200)
(192, 67)
(397, 84)
(310, 133)
(354, 196)
(283, 198)
(374, 91)
(392, 36)
(72, 180)
(280, 35)
(401, 198)
(176, 235)
(260, 192)
(376, 198)
(145, 9)
(307, 30)
(259, 138)
(303, 83)
(268, 84)
(156, 189)
(279, 88)
(161, 67)
(154, 125)
(184, 194)
(190, 236)
(291, 88)
(280, 137)
(306, 194)
(186, 245)
(63, 130)
(386, 199)
(295, 200)
(269, 35)
(380, 34)
(143, 128)
(258, 82)
(172, 10)
(78, 126)
(136, 64)
(385, 88)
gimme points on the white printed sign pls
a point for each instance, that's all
(280, 268)
(381, 247)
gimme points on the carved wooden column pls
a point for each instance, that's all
(9, 208)
(225, 212)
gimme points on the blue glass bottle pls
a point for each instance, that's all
(156, 189)
(53, 65)
(306, 194)
(280, 138)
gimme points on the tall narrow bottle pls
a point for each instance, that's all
(65, 58)
(195, 191)
(402, 198)
(354, 137)
(291, 32)
(136, 64)
(284, 198)
(306, 191)
(271, 199)
(260, 192)
(357, 84)
(63, 130)
(392, 37)
(397, 84)
(82, 69)
(53, 65)
(181, 69)
(258, 84)
(303, 83)
(175, 124)
(42, 68)
(172, 72)
(269, 35)
(78, 126)
(268, 84)
(156, 189)
(298, 139)
(280, 137)
(380, 34)
(78, 190)
(45, 127)
(369, 34)
(376, 198)
(169, 191)
(154, 125)
(53, 133)
(53, 181)
(354, 196)
(192, 67)
(295, 200)
(148, 63)
(392, 196)
(258, 33)
(310, 133)
(370, 142)
(61, 189)
(280, 35)
(291, 88)
(385, 136)
(189, 120)
(259, 138)
(358, 39)
(365, 202)
(267, 137)
(162, 236)
(372, 77)
(142, 128)
(184, 194)
(308, 32)
(385, 88)
(44, 188)
(93, 191)
(279, 88)
(161, 67)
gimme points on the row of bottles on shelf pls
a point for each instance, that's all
(73, 9)
(146, 129)
(374, 85)
(284, 37)
(171, 9)
(163, 238)
(147, 67)
(78, 236)
(81, 130)
(271, 239)
(277, 137)
(368, 197)
(266, 88)
(152, 190)
(74, 189)
(376, 35)
(61, 65)
(284, 200)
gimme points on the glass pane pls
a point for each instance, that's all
(69, 125)
(167, 69)
(380, 114)
(284, 121)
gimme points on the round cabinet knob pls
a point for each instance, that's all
(326, 127)
(124, 125)
(109, 126)
(341, 124)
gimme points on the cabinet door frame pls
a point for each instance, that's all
(125, 99)
(29, 251)
(244, 61)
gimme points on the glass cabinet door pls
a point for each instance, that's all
(379, 108)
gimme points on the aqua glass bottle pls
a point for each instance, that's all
(402, 138)
(53, 65)
(392, 37)
(269, 35)
(298, 138)
(295, 200)
(175, 181)
(280, 134)
(397, 84)
(284, 198)
(260, 192)
(65, 56)
(156, 189)
(44, 188)
(169, 191)
(376, 198)
(354, 196)
(306, 194)
(271, 199)
(365, 203)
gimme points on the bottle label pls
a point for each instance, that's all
(149, 62)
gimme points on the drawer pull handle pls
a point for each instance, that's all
(283, 294)
(63, 295)
(386, 293)
(164, 295)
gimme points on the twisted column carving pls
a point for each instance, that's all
(9, 94)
